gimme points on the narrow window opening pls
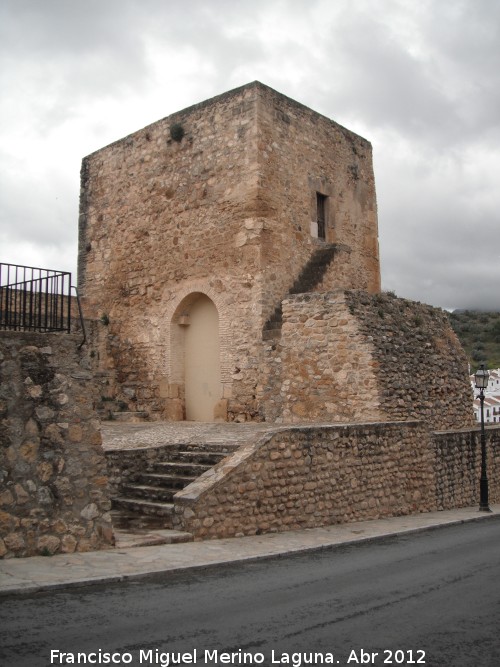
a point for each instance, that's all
(321, 215)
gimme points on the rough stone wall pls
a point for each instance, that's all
(311, 476)
(316, 475)
(161, 220)
(226, 212)
(327, 367)
(349, 356)
(302, 153)
(422, 370)
(457, 456)
(54, 488)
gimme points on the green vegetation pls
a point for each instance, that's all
(479, 333)
(177, 132)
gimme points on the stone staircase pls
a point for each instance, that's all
(310, 277)
(147, 498)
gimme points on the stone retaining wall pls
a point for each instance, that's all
(457, 456)
(54, 488)
(311, 476)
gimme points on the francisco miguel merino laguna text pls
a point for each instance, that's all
(165, 659)
(207, 656)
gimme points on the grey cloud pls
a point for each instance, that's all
(72, 53)
(439, 235)
(431, 112)
(439, 96)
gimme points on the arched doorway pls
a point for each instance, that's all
(202, 376)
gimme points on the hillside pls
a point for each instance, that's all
(479, 333)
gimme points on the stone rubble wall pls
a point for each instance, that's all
(422, 370)
(457, 456)
(54, 489)
(161, 220)
(310, 476)
(327, 364)
(349, 356)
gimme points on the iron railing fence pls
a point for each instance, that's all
(33, 299)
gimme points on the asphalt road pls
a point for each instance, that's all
(431, 598)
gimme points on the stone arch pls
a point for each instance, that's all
(197, 327)
(177, 318)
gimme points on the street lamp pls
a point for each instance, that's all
(481, 378)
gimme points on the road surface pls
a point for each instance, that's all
(430, 598)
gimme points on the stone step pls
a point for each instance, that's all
(272, 325)
(310, 277)
(168, 481)
(304, 287)
(143, 506)
(127, 520)
(138, 530)
(151, 492)
(146, 492)
(129, 417)
(199, 456)
(271, 334)
(184, 469)
(214, 452)
(307, 283)
(126, 539)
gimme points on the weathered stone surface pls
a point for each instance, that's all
(229, 213)
(22, 496)
(68, 544)
(7, 522)
(90, 512)
(14, 542)
(371, 362)
(231, 207)
(48, 544)
(52, 466)
(6, 498)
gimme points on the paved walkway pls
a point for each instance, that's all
(28, 575)
(116, 435)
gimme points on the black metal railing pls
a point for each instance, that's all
(33, 299)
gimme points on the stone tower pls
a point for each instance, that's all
(194, 229)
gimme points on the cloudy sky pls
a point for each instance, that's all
(420, 80)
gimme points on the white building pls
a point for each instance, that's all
(491, 399)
